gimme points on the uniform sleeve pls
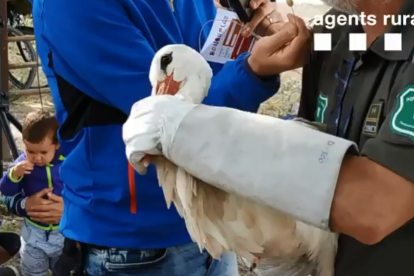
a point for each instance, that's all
(307, 97)
(309, 93)
(112, 56)
(393, 147)
(311, 72)
(9, 185)
(310, 83)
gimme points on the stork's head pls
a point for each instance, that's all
(179, 70)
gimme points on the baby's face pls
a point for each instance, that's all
(41, 153)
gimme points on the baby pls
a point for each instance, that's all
(31, 172)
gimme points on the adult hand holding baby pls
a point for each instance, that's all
(45, 210)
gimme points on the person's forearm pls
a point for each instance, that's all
(9, 184)
(238, 86)
(351, 195)
(15, 204)
(370, 201)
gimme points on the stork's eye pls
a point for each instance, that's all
(165, 61)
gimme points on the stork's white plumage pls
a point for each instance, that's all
(219, 221)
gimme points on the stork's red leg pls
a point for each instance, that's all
(132, 191)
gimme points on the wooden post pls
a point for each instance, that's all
(5, 149)
(3, 51)
(4, 70)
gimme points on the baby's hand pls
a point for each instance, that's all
(22, 168)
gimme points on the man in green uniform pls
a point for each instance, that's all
(368, 97)
(366, 101)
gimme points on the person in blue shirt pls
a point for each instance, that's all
(96, 57)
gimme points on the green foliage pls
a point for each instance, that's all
(23, 7)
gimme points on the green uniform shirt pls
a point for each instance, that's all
(368, 97)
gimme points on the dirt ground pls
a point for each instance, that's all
(278, 106)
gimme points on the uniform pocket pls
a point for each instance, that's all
(133, 261)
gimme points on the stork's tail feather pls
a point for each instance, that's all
(166, 173)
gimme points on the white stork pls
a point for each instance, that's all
(219, 221)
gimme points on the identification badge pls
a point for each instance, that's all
(225, 42)
(372, 121)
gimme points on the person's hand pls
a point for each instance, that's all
(22, 168)
(266, 19)
(217, 3)
(38, 199)
(50, 213)
(288, 49)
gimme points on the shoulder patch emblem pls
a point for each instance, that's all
(402, 120)
(321, 108)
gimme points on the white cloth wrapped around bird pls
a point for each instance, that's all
(259, 186)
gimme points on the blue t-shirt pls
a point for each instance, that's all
(100, 53)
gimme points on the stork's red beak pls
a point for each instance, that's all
(168, 86)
